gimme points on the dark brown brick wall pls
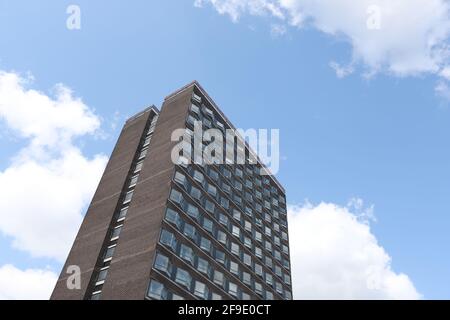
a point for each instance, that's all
(129, 273)
(90, 238)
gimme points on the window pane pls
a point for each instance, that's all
(102, 275)
(116, 232)
(219, 278)
(123, 213)
(200, 290)
(162, 263)
(205, 244)
(189, 231)
(156, 290)
(168, 239)
(183, 278)
(203, 266)
(187, 254)
(208, 224)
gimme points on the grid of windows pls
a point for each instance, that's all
(99, 277)
(231, 211)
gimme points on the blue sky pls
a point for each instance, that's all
(383, 139)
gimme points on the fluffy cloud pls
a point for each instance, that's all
(30, 284)
(399, 37)
(335, 256)
(49, 182)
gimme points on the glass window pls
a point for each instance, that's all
(219, 278)
(195, 193)
(258, 269)
(268, 231)
(258, 236)
(220, 256)
(194, 108)
(167, 238)
(234, 268)
(143, 153)
(287, 295)
(277, 255)
(102, 274)
(123, 213)
(248, 225)
(212, 190)
(203, 266)
(205, 244)
(276, 240)
(236, 215)
(162, 263)
(287, 279)
(258, 288)
(208, 224)
(223, 219)
(258, 252)
(156, 290)
(245, 296)
(176, 196)
(110, 251)
(183, 278)
(213, 174)
(180, 178)
(200, 290)
(236, 231)
(278, 271)
(285, 249)
(269, 295)
(247, 278)
(284, 236)
(147, 141)
(192, 211)
(187, 254)
(209, 206)
(233, 289)
(176, 297)
(222, 237)
(235, 249)
(268, 246)
(198, 176)
(279, 287)
(248, 242)
(138, 167)
(226, 188)
(215, 296)
(189, 231)
(96, 295)
(128, 197)
(173, 217)
(116, 232)
(247, 259)
(225, 202)
(134, 180)
(239, 172)
(226, 173)
(269, 279)
(238, 185)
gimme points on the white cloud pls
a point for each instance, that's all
(442, 89)
(50, 181)
(30, 284)
(341, 71)
(277, 30)
(399, 37)
(334, 255)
